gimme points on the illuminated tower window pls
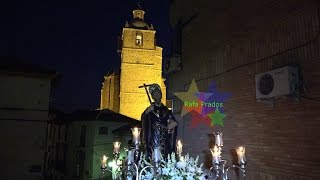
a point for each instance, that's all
(139, 15)
(139, 39)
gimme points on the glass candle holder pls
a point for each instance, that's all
(241, 155)
(104, 161)
(136, 135)
(216, 155)
(116, 147)
(179, 147)
(218, 139)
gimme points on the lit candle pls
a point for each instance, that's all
(179, 147)
(116, 147)
(104, 161)
(241, 155)
(219, 141)
(216, 152)
(156, 154)
(130, 157)
(136, 135)
(181, 158)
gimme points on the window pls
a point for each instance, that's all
(139, 15)
(103, 131)
(139, 39)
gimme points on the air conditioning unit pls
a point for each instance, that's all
(278, 82)
(173, 64)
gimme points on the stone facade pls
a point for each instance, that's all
(110, 93)
(141, 63)
(24, 105)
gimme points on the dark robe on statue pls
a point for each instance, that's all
(155, 131)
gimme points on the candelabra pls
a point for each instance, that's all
(115, 166)
(134, 163)
(219, 166)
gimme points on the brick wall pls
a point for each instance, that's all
(253, 37)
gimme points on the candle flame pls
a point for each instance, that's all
(179, 147)
(241, 155)
(104, 161)
(215, 151)
(136, 130)
(117, 144)
(241, 151)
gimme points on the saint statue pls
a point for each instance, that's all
(159, 126)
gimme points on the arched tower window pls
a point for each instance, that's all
(139, 39)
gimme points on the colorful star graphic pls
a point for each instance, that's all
(189, 97)
(217, 117)
(198, 119)
(215, 96)
(204, 107)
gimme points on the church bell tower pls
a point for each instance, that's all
(141, 62)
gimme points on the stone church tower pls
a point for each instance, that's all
(141, 62)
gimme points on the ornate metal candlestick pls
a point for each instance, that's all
(104, 166)
(133, 159)
(134, 169)
(116, 150)
(136, 142)
(218, 165)
(156, 157)
(114, 171)
(241, 160)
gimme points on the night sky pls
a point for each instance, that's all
(76, 38)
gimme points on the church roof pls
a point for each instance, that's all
(13, 65)
(100, 115)
(126, 129)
